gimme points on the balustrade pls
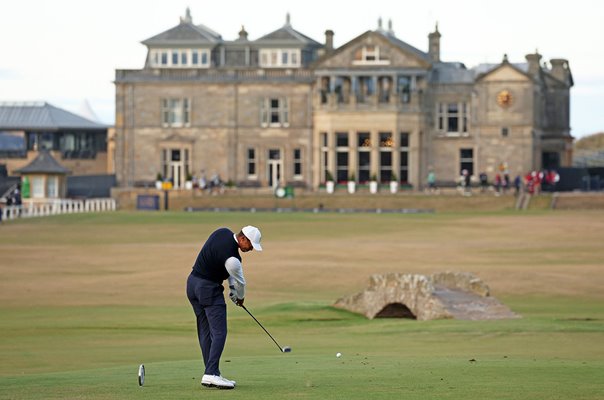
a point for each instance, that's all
(55, 207)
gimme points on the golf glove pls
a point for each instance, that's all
(233, 297)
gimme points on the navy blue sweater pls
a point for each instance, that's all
(219, 247)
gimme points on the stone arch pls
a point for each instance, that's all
(395, 310)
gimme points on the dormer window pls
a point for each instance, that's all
(280, 58)
(180, 58)
(369, 55)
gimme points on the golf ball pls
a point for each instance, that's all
(338, 355)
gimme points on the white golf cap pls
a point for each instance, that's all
(254, 235)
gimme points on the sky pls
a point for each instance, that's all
(66, 52)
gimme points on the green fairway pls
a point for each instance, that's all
(85, 299)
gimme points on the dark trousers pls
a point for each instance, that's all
(207, 301)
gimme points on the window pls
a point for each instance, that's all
(504, 132)
(279, 58)
(37, 187)
(274, 112)
(369, 54)
(13, 145)
(52, 186)
(341, 157)
(42, 141)
(364, 156)
(324, 155)
(466, 160)
(404, 89)
(175, 112)
(297, 163)
(251, 163)
(464, 117)
(452, 118)
(74, 145)
(179, 58)
(386, 144)
(404, 153)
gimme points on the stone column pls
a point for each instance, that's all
(353, 90)
(375, 98)
(393, 90)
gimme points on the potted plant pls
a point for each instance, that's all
(352, 184)
(158, 181)
(189, 181)
(329, 182)
(373, 184)
(393, 183)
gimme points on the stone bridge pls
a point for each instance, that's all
(458, 295)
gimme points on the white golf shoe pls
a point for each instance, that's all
(228, 380)
(217, 381)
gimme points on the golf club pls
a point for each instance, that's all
(285, 349)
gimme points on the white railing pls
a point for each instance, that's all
(55, 207)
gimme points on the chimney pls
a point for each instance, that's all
(560, 69)
(242, 33)
(534, 63)
(328, 40)
(187, 19)
(434, 45)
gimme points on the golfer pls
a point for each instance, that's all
(218, 260)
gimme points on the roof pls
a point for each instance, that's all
(287, 35)
(41, 115)
(451, 72)
(456, 72)
(43, 163)
(185, 34)
(403, 45)
(486, 68)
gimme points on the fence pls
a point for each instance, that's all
(61, 206)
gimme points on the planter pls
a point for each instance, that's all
(393, 186)
(329, 186)
(352, 187)
(373, 187)
(158, 185)
(188, 185)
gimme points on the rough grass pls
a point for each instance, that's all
(84, 299)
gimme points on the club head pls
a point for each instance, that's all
(286, 349)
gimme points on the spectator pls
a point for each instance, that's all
(466, 182)
(517, 183)
(498, 184)
(431, 181)
(484, 182)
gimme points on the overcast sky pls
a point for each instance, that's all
(67, 51)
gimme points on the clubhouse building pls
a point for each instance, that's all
(285, 109)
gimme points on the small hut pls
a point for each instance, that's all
(46, 177)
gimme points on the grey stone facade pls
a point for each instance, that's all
(285, 109)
